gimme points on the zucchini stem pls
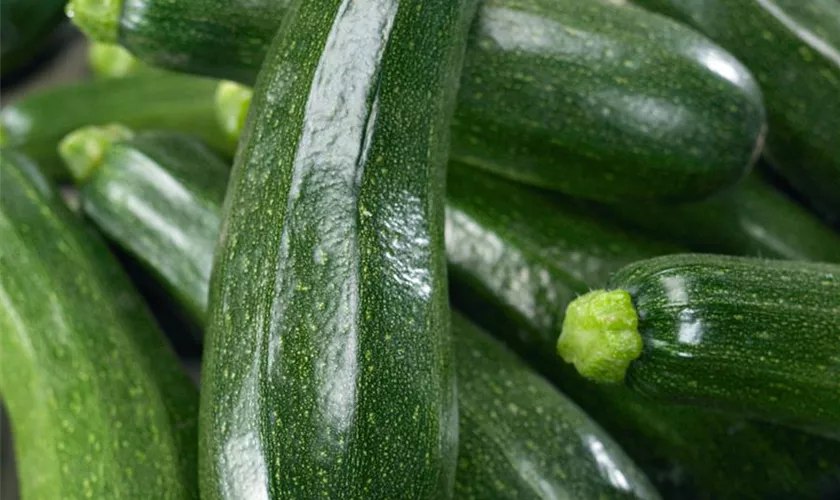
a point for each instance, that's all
(111, 61)
(84, 149)
(600, 335)
(232, 103)
(98, 19)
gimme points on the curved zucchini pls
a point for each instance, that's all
(36, 123)
(753, 219)
(158, 196)
(536, 432)
(757, 337)
(516, 265)
(327, 357)
(803, 37)
(98, 403)
(596, 99)
(25, 26)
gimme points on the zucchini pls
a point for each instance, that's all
(753, 219)
(36, 123)
(98, 403)
(520, 438)
(25, 27)
(803, 37)
(597, 99)
(146, 194)
(566, 455)
(327, 361)
(514, 267)
(112, 61)
(755, 337)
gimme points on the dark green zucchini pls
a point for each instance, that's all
(37, 122)
(597, 99)
(535, 432)
(327, 361)
(753, 219)
(158, 196)
(25, 27)
(98, 403)
(514, 266)
(803, 38)
(755, 337)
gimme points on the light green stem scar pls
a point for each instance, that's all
(111, 61)
(232, 103)
(98, 19)
(601, 335)
(84, 149)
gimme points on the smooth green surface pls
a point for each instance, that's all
(793, 49)
(327, 360)
(516, 265)
(83, 150)
(36, 123)
(112, 61)
(521, 438)
(25, 27)
(597, 99)
(98, 403)
(755, 337)
(600, 335)
(753, 219)
(159, 196)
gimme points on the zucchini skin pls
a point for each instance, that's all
(561, 94)
(756, 337)
(752, 219)
(327, 357)
(802, 104)
(521, 438)
(540, 414)
(25, 26)
(69, 316)
(35, 124)
(158, 196)
(514, 267)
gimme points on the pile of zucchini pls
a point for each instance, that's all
(428, 249)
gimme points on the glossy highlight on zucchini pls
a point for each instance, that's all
(803, 38)
(515, 266)
(35, 124)
(750, 336)
(597, 99)
(98, 403)
(327, 357)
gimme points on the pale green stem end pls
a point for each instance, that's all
(98, 19)
(601, 335)
(84, 149)
(111, 61)
(232, 103)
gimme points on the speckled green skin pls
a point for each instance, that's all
(598, 100)
(328, 368)
(36, 123)
(757, 337)
(158, 196)
(793, 49)
(753, 219)
(98, 403)
(521, 438)
(514, 266)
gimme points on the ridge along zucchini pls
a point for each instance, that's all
(327, 357)
(594, 99)
(69, 316)
(755, 337)
(35, 124)
(802, 105)
(129, 183)
(25, 27)
(515, 267)
(752, 219)
(539, 414)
